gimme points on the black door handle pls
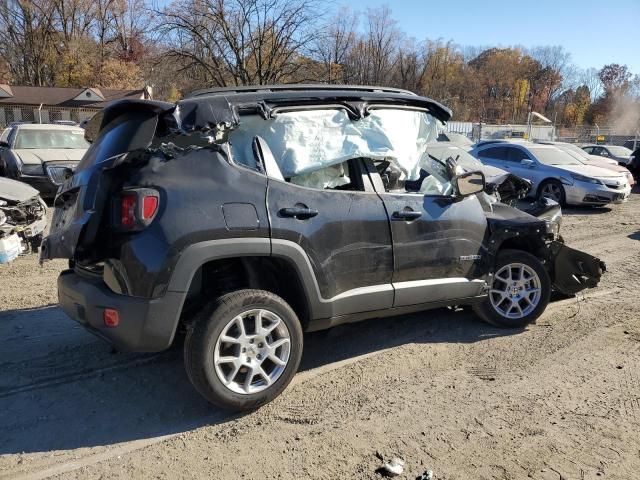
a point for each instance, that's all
(301, 213)
(406, 215)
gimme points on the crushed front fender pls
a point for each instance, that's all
(573, 270)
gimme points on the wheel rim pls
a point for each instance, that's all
(552, 191)
(515, 291)
(252, 351)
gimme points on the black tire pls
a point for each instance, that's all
(486, 311)
(201, 339)
(563, 198)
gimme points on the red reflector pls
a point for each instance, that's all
(149, 207)
(111, 317)
(128, 211)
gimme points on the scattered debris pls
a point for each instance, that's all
(393, 468)
(427, 475)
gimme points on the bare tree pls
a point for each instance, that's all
(374, 55)
(591, 79)
(73, 19)
(103, 25)
(332, 46)
(556, 64)
(383, 38)
(26, 40)
(410, 67)
(130, 22)
(239, 42)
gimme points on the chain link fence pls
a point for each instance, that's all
(608, 135)
(486, 131)
(46, 114)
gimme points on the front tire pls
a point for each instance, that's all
(554, 190)
(244, 349)
(519, 291)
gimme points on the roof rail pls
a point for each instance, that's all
(294, 87)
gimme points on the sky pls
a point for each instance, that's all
(595, 33)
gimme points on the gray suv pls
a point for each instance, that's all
(244, 217)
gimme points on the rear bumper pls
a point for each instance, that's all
(146, 325)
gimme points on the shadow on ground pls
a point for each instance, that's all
(61, 388)
(585, 210)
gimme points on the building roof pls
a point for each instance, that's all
(91, 97)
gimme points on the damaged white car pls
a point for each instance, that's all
(23, 219)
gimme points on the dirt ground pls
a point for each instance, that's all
(443, 391)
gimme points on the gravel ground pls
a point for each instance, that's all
(443, 391)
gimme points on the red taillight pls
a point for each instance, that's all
(149, 206)
(138, 207)
(128, 210)
(110, 317)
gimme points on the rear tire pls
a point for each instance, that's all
(244, 349)
(554, 190)
(519, 291)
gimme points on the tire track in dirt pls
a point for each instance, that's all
(54, 380)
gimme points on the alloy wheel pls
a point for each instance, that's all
(515, 291)
(252, 351)
(552, 191)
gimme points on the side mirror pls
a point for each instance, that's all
(527, 163)
(4, 144)
(468, 183)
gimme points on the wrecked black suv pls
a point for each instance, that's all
(247, 216)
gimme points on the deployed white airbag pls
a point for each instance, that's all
(306, 141)
(330, 177)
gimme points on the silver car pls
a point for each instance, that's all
(593, 160)
(555, 174)
(622, 155)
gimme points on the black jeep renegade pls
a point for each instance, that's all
(247, 216)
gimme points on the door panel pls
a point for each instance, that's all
(515, 157)
(347, 242)
(495, 156)
(436, 255)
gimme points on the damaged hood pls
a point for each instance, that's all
(14, 191)
(37, 156)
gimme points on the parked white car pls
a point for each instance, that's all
(554, 173)
(41, 155)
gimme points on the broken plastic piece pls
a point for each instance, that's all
(394, 467)
(10, 248)
(427, 475)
